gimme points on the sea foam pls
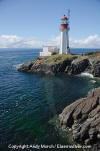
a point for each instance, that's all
(87, 74)
(93, 81)
(17, 66)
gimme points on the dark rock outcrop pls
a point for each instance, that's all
(48, 65)
(96, 68)
(70, 64)
(83, 117)
(77, 66)
(26, 67)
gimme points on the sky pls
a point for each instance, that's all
(33, 23)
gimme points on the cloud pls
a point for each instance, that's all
(13, 41)
(89, 42)
(56, 40)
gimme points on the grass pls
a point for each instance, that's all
(59, 58)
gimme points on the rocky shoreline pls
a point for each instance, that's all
(69, 64)
(82, 116)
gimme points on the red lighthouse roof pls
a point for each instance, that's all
(64, 18)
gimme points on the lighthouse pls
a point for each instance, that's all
(64, 38)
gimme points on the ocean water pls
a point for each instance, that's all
(28, 102)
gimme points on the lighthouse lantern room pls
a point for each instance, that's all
(64, 39)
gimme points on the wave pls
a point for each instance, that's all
(87, 74)
(93, 81)
(17, 66)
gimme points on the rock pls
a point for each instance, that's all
(77, 66)
(49, 65)
(70, 64)
(96, 121)
(92, 133)
(74, 126)
(87, 141)
(66, 117)
(26, 67)
(98, 136)
(83, 116)
(94, 67)
(76, 137)
(95, 111)
(96, 71)
(83, 133)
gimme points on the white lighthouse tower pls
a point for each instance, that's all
(64, 39)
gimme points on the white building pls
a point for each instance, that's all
(48, 50)
(64, 39)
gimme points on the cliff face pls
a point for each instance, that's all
(70, 64)
(83, 116)
(48, 65)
